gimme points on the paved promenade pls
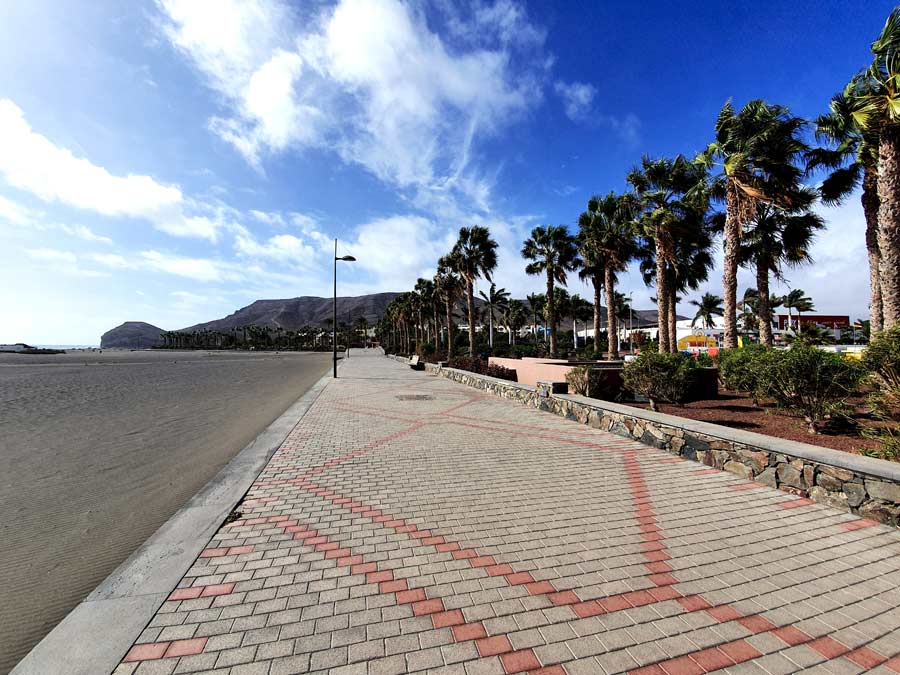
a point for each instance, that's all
(411, 524)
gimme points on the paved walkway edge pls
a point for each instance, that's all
(94, 636)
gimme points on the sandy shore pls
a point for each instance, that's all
(98, 450)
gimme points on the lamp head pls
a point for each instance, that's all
(347, 258)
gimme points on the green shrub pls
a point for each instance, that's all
(660, 377)
(808, 380)
(882, 361)
(739, 368)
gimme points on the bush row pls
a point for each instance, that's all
(482, 367)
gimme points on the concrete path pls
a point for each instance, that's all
(411, 524)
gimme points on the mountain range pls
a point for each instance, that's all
(295, 313)
(289, 314)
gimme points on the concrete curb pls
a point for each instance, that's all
(95, 636)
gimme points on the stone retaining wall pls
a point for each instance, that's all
(863, 485)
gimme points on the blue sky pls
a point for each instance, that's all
(172, 161)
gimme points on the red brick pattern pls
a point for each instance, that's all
(462, 534)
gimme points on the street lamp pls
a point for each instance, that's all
(345, 258)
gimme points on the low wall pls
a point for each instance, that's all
(862, 485)
(531, 370)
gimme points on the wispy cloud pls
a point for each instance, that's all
(31, 162)
(368, 79)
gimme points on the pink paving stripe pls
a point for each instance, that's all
(795, 503)
(201, 592)
(859, 524)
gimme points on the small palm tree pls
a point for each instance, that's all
(536, 305)
(777, 237)
(474, 255)
(593, 267)
(496, 300)
(799, 301)
(552, 252)
(514, 317)
(708, 306)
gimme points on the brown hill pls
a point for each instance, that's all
(132, 335)
(295, 313)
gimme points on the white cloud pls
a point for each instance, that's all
(13, 213)
(112, 260)
(31, 162)
(368, 79)
(85, 233)
(199, 269)
(281, 247)
(577, 97)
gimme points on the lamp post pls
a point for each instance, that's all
(345, 258)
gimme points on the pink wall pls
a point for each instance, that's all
(531, 370)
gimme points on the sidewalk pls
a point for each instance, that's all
(411, 524)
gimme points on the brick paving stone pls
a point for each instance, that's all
(412, 524)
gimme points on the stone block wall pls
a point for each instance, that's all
(862, 485)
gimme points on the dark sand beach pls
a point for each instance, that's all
(98, 450)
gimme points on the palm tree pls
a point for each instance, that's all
(608, 231)
(670, 203)
(581, 310)
(756, 151)
(514, 317)
(875, 101)
(552, 252)
(854, 161)
(798, 300)
(474, 255)
(775, 237)
(593, 266)
(708, 307)
(749, 306)
(536, 304)
(424, 290)
(496, 300)
(448, 287)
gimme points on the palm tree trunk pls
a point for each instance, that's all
(672, 315)
(449, 330)
(491, 324)
(611, 326)
(870, 204)
(551, 313)
(470, 301)
(763, 309)
(730, 266)
(662, 297)
(597, 284)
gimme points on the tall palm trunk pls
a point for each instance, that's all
(870, 204)
(611, 324)
(551, 313)
(672, 315)
(730, 266)
(763, 305)
(470, 301)
(449, 330)
(598, 283)
(662, 296)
